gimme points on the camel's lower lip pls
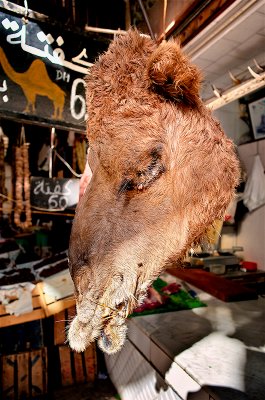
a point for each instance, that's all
(105, 323)
(112, 336)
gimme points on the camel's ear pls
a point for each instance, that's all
(172, 75)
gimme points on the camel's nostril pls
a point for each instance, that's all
(120, 306)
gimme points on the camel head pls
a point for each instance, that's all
(163, 171)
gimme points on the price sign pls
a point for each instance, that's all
(42, 70)
(54, 193)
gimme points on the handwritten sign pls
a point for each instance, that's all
(54, 193)
(42, 71)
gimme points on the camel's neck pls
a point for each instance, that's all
(10, 72)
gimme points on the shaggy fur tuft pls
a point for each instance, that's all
(172, 74)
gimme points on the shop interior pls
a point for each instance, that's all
(217, 296)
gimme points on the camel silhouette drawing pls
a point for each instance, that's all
(35, 81)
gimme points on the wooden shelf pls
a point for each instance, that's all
(43, 306)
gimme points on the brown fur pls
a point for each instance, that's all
(163, 171)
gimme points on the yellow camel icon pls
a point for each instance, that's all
(35, 81)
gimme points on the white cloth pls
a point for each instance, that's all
(254, 193)
(22, 292)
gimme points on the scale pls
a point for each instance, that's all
(212, 258)
(219, 263)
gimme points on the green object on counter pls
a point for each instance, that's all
(181, 300)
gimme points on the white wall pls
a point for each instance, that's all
(234, 127)
(251, 234)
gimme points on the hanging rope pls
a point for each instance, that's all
(80, 156)
(44, 210)
(67, 165)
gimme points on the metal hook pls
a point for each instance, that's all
(234, 79)
(26, 14)
(26, 8)
(216, 91)
(257, 65)
(146, 19)
(51, 151)
(254, 74)
(164, 19)
(22, 138)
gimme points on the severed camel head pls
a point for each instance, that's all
(163, 171)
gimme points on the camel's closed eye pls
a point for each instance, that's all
(145, 174)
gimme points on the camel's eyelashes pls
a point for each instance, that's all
(152, 169)
(145, 176)
(126, 185)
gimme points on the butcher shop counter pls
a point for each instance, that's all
(213, 352)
